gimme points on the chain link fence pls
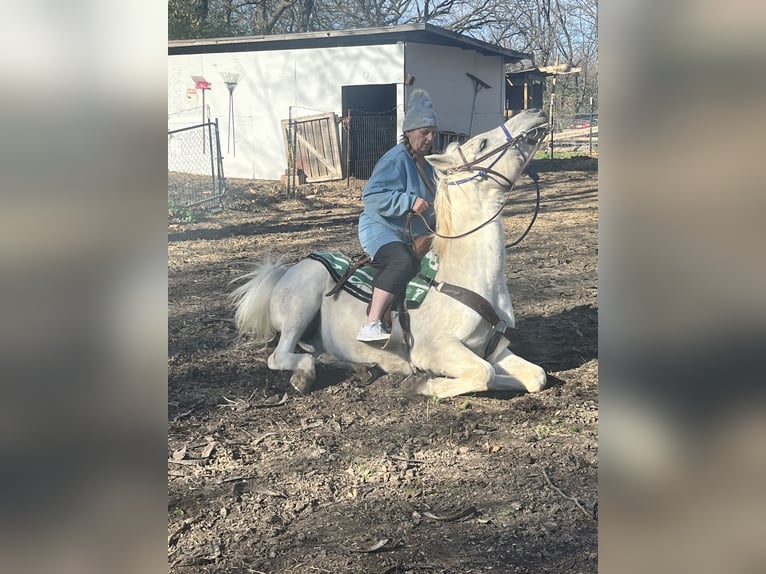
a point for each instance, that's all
(573, 133)
(195, 166)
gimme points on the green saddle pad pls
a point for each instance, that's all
(360, 283)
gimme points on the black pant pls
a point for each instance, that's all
(397, 264)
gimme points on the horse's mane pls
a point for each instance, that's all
(444, 212)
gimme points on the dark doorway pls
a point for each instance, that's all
(370, 126)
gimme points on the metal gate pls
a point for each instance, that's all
(195, 166)
(366, 137)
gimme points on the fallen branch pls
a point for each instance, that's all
(236, 478)
(267, 492)
(380, 545)
(260, 439)
(396, 568)
(213, 319)
(408, 460)
(470, 511)
(572, 498)
(268, 403)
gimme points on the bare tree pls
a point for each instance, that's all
(563, 31)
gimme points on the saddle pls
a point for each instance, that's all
(420, 246)
(354, 275)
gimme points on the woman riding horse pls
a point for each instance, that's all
(401, 184)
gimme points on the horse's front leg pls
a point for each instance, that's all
(512, 373)
(465, 372)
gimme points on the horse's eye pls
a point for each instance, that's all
(482, 145)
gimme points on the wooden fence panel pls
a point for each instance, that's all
(315, 142)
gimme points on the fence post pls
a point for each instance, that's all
(221, 180)
(347, 128)
(294, 170)
(209, 126)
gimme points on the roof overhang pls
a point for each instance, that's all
(418, 33)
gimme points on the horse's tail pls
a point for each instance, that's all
(252, 300)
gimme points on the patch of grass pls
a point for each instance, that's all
(362, 471)
(555, 426)
(565, 161)
(180, 213)
(546, 154)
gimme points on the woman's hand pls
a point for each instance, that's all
(420, 205)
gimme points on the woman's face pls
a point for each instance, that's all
(422, 139)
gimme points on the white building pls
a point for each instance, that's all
(368, 71)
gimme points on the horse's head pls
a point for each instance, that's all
(499, 155)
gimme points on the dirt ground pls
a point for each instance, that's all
(361, 476)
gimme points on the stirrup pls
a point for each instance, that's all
(397, 334)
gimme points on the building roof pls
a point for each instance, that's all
(527, 67)
(418, 33)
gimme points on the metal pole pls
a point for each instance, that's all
(212, 159)
(553, 97)
(228, 139)
(553, 125)
(590, 131)
(293, 171)
(347, 129)
(233, 137)
(203, 120)
(220, 178)
(289, 144)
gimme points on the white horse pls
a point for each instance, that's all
(449, 339)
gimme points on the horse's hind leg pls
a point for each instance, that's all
(294, 307)
(301, 364)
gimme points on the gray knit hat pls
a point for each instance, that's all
(420, 112)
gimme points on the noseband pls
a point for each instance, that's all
(533, 136)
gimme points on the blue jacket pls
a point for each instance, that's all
(388, 195)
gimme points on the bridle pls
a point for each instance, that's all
(534, 136)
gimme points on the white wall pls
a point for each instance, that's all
(441, 71)
(270, 83)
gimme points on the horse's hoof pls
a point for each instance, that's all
(302, 382)
(417, 384)
(425, 389)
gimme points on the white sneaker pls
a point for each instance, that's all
(373, 332)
